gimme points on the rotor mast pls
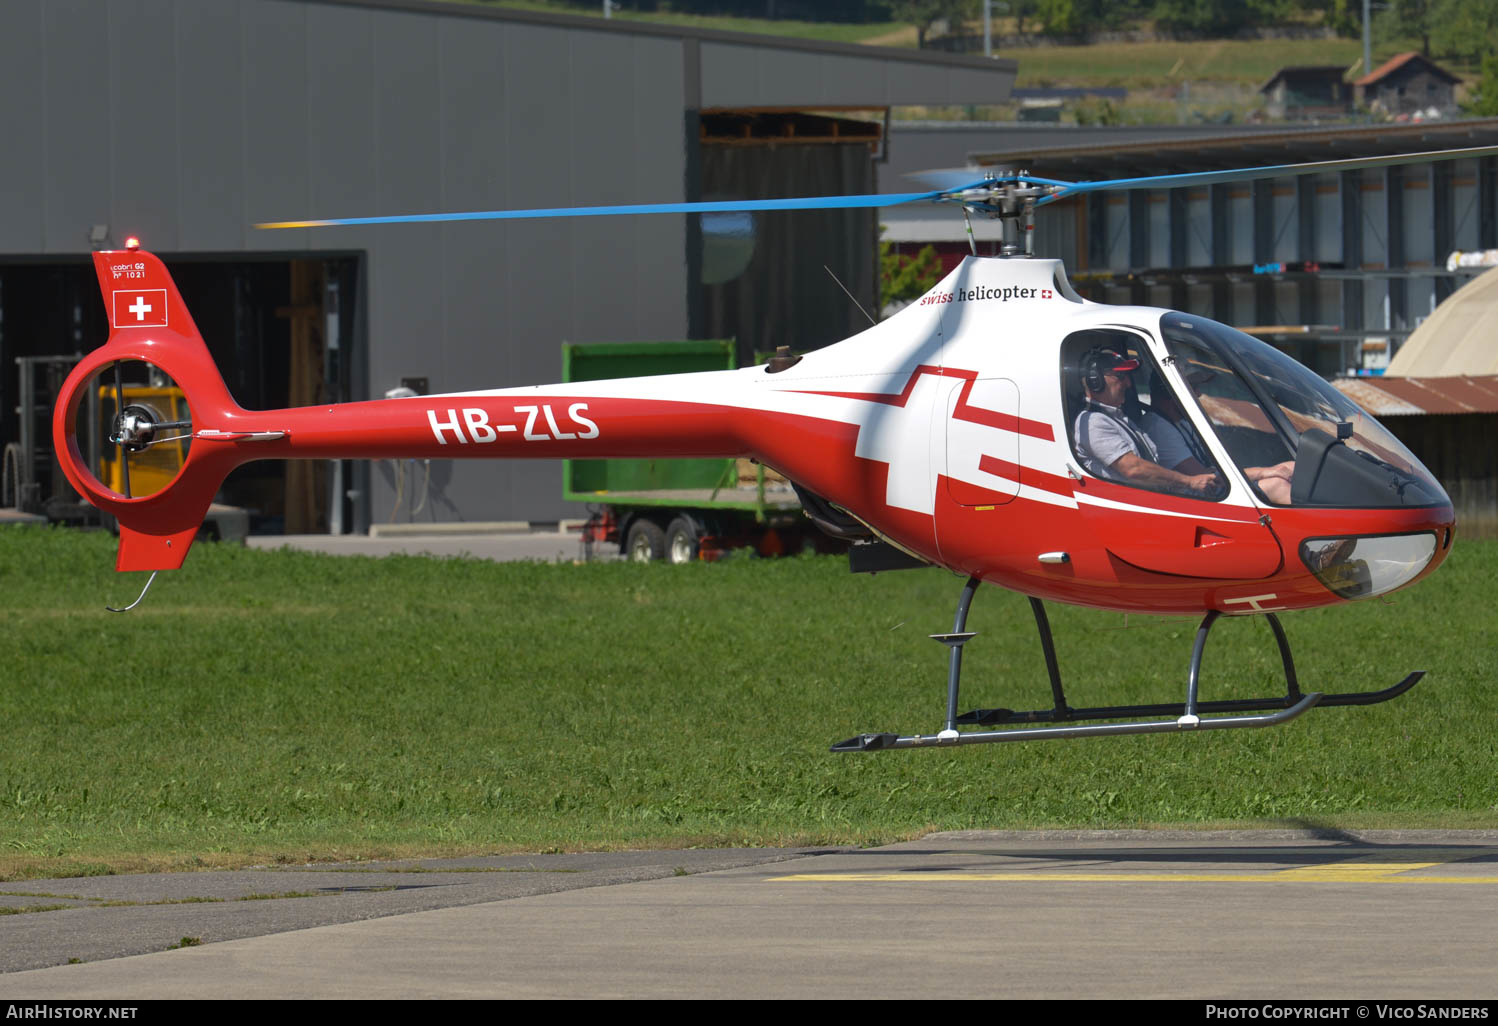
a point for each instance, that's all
(1010, 198)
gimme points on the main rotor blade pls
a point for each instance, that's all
(703, 207)
(1273, 171)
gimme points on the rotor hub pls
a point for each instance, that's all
(1010, 199)
(135, 428)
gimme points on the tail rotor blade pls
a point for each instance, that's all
(119, 429)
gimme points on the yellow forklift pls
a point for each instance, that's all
(151, 469)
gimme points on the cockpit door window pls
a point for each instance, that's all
(1183, 529)
(1124, 422)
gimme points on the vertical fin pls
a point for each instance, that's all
(150, 323)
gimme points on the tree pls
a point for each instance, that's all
(1019, 10)
(1098, 112)
(1408, 19)
(1483, 101)
(1076, 17)
(905, 278)
(924, 13)
(1344, 17)
(1219, 17)
(1465, 28)
(1061, 17)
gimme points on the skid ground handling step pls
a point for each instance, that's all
(1072, 722)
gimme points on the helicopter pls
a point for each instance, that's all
(967, 431)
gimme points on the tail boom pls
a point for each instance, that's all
(711, 414)
(150, 323)
(515, 424)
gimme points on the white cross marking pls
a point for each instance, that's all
(901, 437)
(140, 308)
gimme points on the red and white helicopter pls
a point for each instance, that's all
(949, 431)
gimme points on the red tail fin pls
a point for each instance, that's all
(150, 323)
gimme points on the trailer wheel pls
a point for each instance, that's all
(645, 541)
(683, 541)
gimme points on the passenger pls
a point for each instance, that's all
(1181, 448)
(1112, 442)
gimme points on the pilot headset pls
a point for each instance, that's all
(1097, 362)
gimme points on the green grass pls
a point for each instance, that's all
(1248, 62)
(1221, 77)
(1169, 81)
(286, 707)
(882, 33)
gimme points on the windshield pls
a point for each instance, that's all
(1271, 412)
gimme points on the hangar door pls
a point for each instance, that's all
(281, 331)
(764, 276)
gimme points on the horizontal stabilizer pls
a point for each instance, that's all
(141, 551)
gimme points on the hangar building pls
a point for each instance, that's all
(1336, 268)
(186, 122)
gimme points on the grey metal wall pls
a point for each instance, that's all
(187, 121)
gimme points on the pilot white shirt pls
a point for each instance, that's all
(1104, 434)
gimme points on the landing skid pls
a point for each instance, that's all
(1187, 715)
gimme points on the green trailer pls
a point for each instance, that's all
(676, 509)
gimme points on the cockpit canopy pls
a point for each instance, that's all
(1296, 440)
(1266, 409)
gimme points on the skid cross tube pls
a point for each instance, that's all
(1187, 715)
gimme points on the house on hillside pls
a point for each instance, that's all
(1408, 84)
(1308, 93)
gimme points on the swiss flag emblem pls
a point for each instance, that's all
(140, 308)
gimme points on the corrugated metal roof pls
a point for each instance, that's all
(1111, 153)
(1392, 397)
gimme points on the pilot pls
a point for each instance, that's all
(1181, 448)
(1111, 437)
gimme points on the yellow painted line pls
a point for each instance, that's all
(1357, 870)
(1346, 877)
(1352, 869)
